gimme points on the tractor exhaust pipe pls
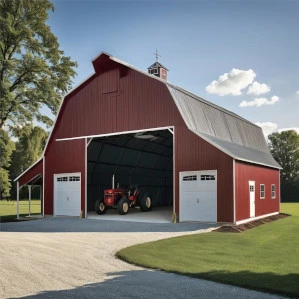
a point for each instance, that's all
(113, 182)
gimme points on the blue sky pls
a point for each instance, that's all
(241, 55)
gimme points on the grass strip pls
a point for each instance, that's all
(264, 258)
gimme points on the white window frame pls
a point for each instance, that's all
(273, 191)
(262, 191)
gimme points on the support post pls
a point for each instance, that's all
(18, 199)
(41, 199)
(29, 203)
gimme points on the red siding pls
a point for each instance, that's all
(193, 153)
(31, 173)
(261, 175)
(63, 157)
(141, 103)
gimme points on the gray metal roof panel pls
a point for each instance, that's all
(232, 134)
(243, 153)
(207, 119)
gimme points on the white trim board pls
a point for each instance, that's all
(256, 218)
(116, 133)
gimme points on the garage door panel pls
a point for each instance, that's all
(198, 196)
(67, 194)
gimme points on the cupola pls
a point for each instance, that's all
(158, 69)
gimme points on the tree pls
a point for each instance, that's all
(6, 147)
(34, 72)
(284, 147)
(28, 149)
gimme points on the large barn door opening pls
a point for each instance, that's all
(143, 159)
(198, 196)
(67, 194)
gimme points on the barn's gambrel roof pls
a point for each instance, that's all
(230, 133)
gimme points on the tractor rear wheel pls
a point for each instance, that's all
(145, 203)
(123, 206)
(100, 207)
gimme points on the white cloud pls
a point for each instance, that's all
(258, 102)
(288, 129)
(297, 92)
(257, 88)
(232, 82)
(267, 127)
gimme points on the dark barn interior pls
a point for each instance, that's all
(144, 159)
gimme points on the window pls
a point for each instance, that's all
(62, 179)
(153, 71)
(74, 178)
(262, 191)
(251, 188)
(206, 177)
(190, 178)
(273, 191)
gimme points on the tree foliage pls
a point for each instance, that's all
(34, 73)
(28, 149)
(284, 147)
(6, 148)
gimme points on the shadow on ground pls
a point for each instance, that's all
(153, 284)
(73, 224)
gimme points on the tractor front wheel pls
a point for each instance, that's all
(100, 207)
(123, 206)
(145, 203)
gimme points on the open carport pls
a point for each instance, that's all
(143, 159)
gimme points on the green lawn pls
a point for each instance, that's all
(264, 258)
(8, 209)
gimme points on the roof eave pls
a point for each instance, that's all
(35, 163)
(231, 154)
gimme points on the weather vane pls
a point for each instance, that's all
(157, 55)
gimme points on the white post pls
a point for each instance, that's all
(18, 198)
(41, 199)
(29, 189)
(113, 182)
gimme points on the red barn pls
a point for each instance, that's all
(207, 162)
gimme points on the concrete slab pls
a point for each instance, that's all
(156, 215)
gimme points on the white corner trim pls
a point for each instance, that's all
(44, 171)
(256, 218)
(85, 175)
(88, 142)
(234, 189)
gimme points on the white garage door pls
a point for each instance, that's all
(67, 194)
(198, 196)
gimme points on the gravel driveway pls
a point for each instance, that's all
(74, 258)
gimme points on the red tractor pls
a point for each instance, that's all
(123, 199)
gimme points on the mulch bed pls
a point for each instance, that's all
(242, 227)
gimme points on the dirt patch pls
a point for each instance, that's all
(242, 227)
